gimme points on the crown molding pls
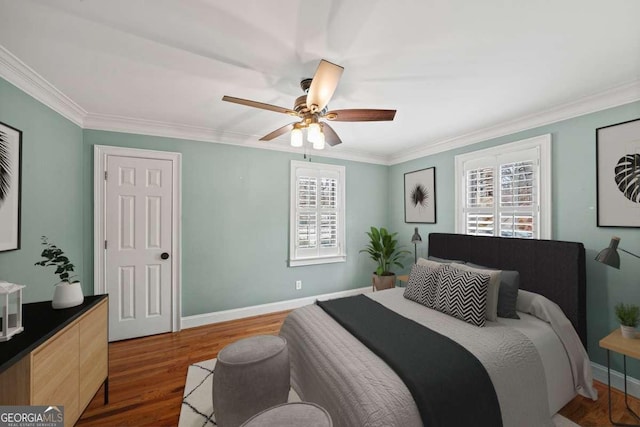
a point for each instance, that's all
(122, 124)
(619, 95)
(29, 81)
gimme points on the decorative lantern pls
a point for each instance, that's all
(10, 310)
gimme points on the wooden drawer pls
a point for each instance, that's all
(94, 353)
(54, 373)
(67, 369)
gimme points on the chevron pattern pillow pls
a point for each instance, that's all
(422, 285)
(462, 294)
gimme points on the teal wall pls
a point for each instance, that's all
(574, 212)
(235, 222)
(52, 173)
(235, 207)
(236, 211)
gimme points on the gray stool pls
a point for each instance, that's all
(250, 376)
(295, 414)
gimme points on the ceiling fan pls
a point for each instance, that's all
(311, 108)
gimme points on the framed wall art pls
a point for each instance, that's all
(420, 196)
(618, 174)
(10, 170)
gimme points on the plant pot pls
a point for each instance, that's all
(628, 331)
(67, 295)
(383, 282)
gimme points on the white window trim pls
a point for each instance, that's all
(543, 144)
(342, 256)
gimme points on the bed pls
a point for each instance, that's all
(536, 365)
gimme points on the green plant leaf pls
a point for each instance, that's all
(54, 257)
(627, 314)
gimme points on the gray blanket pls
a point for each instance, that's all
(332, 368)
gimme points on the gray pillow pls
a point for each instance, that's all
(508, 293)
(445, 261)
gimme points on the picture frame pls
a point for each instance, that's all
(420, 196)
(618, 175)
(10, 187)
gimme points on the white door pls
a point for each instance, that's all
(138, 234)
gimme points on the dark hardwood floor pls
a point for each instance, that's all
(147, 376)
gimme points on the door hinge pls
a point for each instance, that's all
(105, 175)
(105, 244)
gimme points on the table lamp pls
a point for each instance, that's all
(610, 256)
(415, 240)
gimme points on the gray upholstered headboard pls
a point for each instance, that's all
(548, 267)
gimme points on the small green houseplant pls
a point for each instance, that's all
(628, 315)
(54, 256)
(68, 292)
(384, 250)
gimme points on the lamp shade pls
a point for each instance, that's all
(296, 137)
(318, 144)
(416, 236)
(610, 256)
(313, 133)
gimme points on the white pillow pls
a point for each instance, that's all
(429, 263)
(548, 311)
(492, 291)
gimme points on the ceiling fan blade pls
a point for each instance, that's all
(360, 115)
(330, 135)
(261, 105)
(323, 84)
(276, 133)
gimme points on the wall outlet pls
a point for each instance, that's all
(298, 285)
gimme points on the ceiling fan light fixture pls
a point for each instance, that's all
(296, 137)
(319, 144)
(313, 133)
(312, 106)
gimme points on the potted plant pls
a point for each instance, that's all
(628, 315)
(68, 292)
(383, 248)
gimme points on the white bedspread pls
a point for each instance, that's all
(332, 368)
(547, 310)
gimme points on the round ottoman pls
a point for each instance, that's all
(250, 376)
(294, 414)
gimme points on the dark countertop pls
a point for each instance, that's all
(41, 322)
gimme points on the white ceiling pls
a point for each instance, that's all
(450, 67)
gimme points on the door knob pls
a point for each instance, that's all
(164, 255)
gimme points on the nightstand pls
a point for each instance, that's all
(626, 347)
(404, 279)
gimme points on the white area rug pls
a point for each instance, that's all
(197, 406)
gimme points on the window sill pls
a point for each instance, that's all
(315, 261)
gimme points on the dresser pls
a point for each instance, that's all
(61, 357)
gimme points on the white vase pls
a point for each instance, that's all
(67, 295)
(628, 331)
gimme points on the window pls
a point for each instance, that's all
(317, 226)
(506, 190)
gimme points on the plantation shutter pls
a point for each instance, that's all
(518, 202)
(480, 216)
(501, 195)
(318, 211)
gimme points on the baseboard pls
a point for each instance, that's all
(617, 379)
(257, 310)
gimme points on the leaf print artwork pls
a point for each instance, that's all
(5, 167)
(420, 196)
(627, 176)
